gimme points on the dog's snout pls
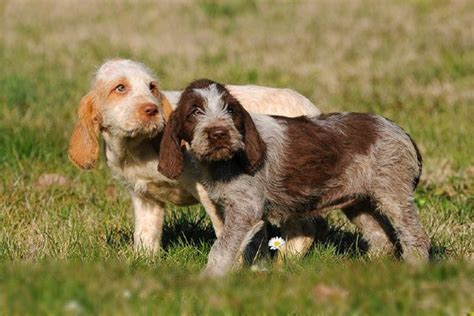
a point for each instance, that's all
(218, 133)
(150, 109)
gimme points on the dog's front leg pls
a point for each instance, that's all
(149, 217)
(190, 183)
(239, 229)
(211, 209)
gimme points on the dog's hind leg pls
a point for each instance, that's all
(300, 234)
(375, 229)
(403, 215)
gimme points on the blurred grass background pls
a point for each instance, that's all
(66, 247)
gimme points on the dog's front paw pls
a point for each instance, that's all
(146, 246)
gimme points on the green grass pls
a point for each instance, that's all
(67, 249)
(137, 288)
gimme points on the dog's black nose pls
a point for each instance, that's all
(218, 133)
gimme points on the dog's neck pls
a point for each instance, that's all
(123, 151)
(222, 171)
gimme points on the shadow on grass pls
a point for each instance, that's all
(118, 237)
(195, 230)
(438, 252)
(345, 243)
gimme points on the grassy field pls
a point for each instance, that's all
(65, 243)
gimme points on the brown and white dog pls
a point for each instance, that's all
(126, 106)
(259, 167)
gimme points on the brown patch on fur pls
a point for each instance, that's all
(255, 148)
(170, 160)
(188, 122)
(167, 109)
(84, 144)
(322, 148)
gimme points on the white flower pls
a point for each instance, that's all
(126, 294)
(72, 306)
(276, 243)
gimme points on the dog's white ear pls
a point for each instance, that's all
(167, 108)
(84, 144)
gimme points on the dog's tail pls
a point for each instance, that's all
(419, 158)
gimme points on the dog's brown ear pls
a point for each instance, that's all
(167, 108)
(171, 157)
(255, 149)
(84, 143)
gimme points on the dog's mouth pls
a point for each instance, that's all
(220, 153)
(145, 129)
(216, 152)
(217, 147)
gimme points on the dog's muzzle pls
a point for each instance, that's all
(220, 146)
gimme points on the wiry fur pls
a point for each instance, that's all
(132, 140)
(311, 165)
(215, 116)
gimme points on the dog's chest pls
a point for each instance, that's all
(165, 192)
(143, 179)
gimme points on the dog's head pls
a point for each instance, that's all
(215, 125)
(124, 102)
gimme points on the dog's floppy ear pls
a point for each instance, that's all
(84, 143)
(171, 157)
(167, 108)
(255, 149)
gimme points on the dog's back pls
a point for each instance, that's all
(328, 160)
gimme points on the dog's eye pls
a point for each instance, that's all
(120, 88)
(230, 111)
(152, 87)
(196, 111)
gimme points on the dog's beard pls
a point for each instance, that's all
(220, 153)
(144, 130)
(205, 151)
(152, 129)
(217, 154)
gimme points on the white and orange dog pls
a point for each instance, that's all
(126, 106)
